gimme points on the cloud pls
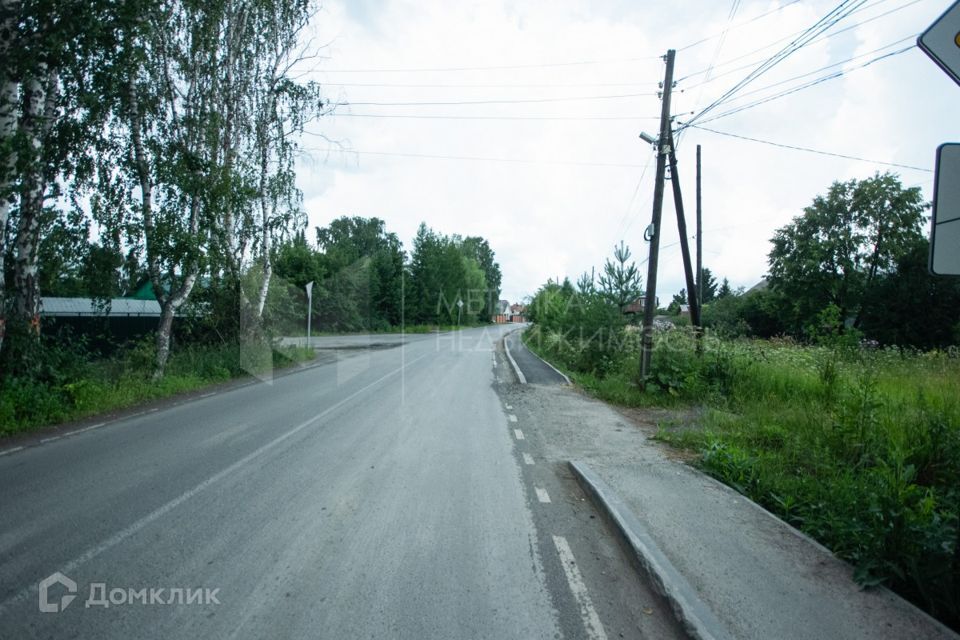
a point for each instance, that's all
(547, 218)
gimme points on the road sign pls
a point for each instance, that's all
(941, 41)
(945, 222)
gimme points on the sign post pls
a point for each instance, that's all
(945, 221)
(309, 288)
(459, 311)
(941, 41)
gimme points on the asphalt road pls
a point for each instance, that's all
(535, 370)
(381, 495)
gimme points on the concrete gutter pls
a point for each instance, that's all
(697, 619)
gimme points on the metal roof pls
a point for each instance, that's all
(85, 307)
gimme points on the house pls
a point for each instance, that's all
(501, 316)
(518, 313)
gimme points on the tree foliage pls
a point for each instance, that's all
(842, 246)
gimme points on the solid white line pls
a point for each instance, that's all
(528, 459)
(512, 418)
(15, 449)
(207, 395)
(46, 440)
(591, 621)
(518, 434)
(542, 495)
(132, 529)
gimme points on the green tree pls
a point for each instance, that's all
(709, 286)
(835, 252)
(620, 282)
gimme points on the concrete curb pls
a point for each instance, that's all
(695, 617)
(513, 363)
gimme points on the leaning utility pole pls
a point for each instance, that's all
(663, 148)
(692, 295)
(699, 236)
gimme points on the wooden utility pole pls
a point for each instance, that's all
(692, 296)
(699, 236)
(663, 148)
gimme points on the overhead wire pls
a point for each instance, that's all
(432, 156)
(821, 38)
(835, 15)
(808, 85)
(809, 150)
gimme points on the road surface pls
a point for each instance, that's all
(381, 495)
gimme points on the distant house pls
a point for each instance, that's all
(501, 316)
(518, 313)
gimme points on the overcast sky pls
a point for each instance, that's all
(554, 183)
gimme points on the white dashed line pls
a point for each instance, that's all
(518, 434)
(90, 428)
(542, 495)
(591, 621)
(528, 459)
(15, 449)
(512, 418)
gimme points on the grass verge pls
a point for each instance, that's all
(70, 387)
(858, 448)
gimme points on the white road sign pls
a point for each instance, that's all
(941, 41)
(945, 222)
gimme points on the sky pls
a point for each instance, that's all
(519, 121)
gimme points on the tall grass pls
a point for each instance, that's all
(67, 383)
(857, 447)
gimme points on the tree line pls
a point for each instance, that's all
(364, 280)
(155, 142)
(852, 266)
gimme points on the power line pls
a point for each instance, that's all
(568, 85)
(911, 37)
(809, 150)
(504, 101)
(807, 85)
(738, 25)
(431, 156)
(573, 63)
(822, 38)
(518, 118)
(839, 12)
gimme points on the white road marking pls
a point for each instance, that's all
(15, 449)
(508, 407)
(154, 410)
(591, 621)
(90, 428)
(135, 527)
(207, 395)
(46, 440)
(542, 495)
(528, 459)
(518, 434)
(512, 417)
